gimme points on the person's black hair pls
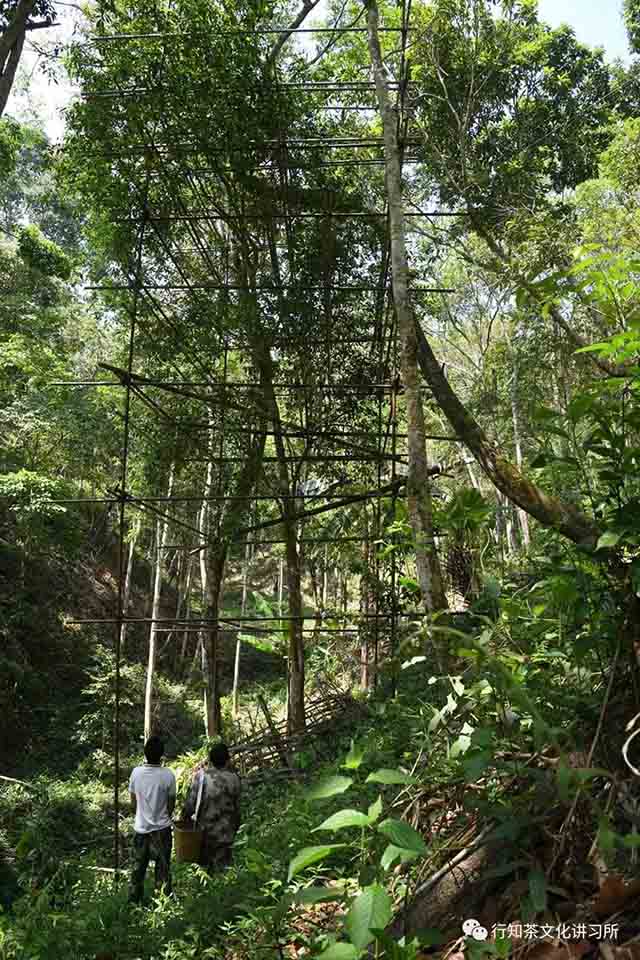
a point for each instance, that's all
(219, 754)
(153, 749)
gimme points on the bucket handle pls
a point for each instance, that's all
(200, 789)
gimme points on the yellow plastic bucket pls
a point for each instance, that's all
(188, 842)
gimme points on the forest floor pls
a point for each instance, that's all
(523, 829)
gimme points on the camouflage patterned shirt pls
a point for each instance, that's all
(219, 814)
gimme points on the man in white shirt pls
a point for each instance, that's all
(152, 788)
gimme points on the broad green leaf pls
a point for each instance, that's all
(475, 764)
(430, 937)
(631, 840)
(583, 774)
(340, 951)
(434, 723)
(344, 818)
(563, 777)
(606, 836)
(402, 835)
(318, 894)
(393, 853)
(389, 776)
(538, 890)
(372, 908)
(355, 756)
(311, 855)
(461, 745)
(608, 539)
(390, 856)
(329, 787)
(375, 810)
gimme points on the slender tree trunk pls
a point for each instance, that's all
(208, 704)
(418, 486)
(213, 564)
(212, 708)
(365, 607)
(161, 538)
(324, 576)
(126, 593)
(243, 607)
(523, 517)
(295, 686)
(187, 610)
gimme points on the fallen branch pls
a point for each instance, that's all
(459, 857)
(23, 783)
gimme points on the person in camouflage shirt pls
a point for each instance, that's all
(219, 811)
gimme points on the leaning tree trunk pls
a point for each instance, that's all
(11, 45)
(161, 539)
(565, 517)
(418, 488)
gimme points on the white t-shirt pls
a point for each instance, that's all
(152, 786)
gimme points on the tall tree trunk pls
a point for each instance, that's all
(213, 564)
(418, 486)
(324, 576)
(210, 710)
(295, 684)
(11, 45)
(187, 610)
(162, 527)
(523, 517)
(280, 583)
(126, 593)
(243, 607)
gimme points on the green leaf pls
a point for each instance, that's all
(389, 776)
(608, 539)
(329, 787)
(631, 840)
(340, 951)
(344, 818)
(375, 810)
(403, 835)
(474, 764)
(606, 836)
(538, 890)
(372, 908)
(311, 855)
(563, 776)
(355, 756)
(461, 745)
(318, 894)
(393, 852)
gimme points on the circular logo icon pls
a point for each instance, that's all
(469, 926)
(480, 933)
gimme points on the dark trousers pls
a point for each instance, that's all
(151, 846)
(215, 856)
